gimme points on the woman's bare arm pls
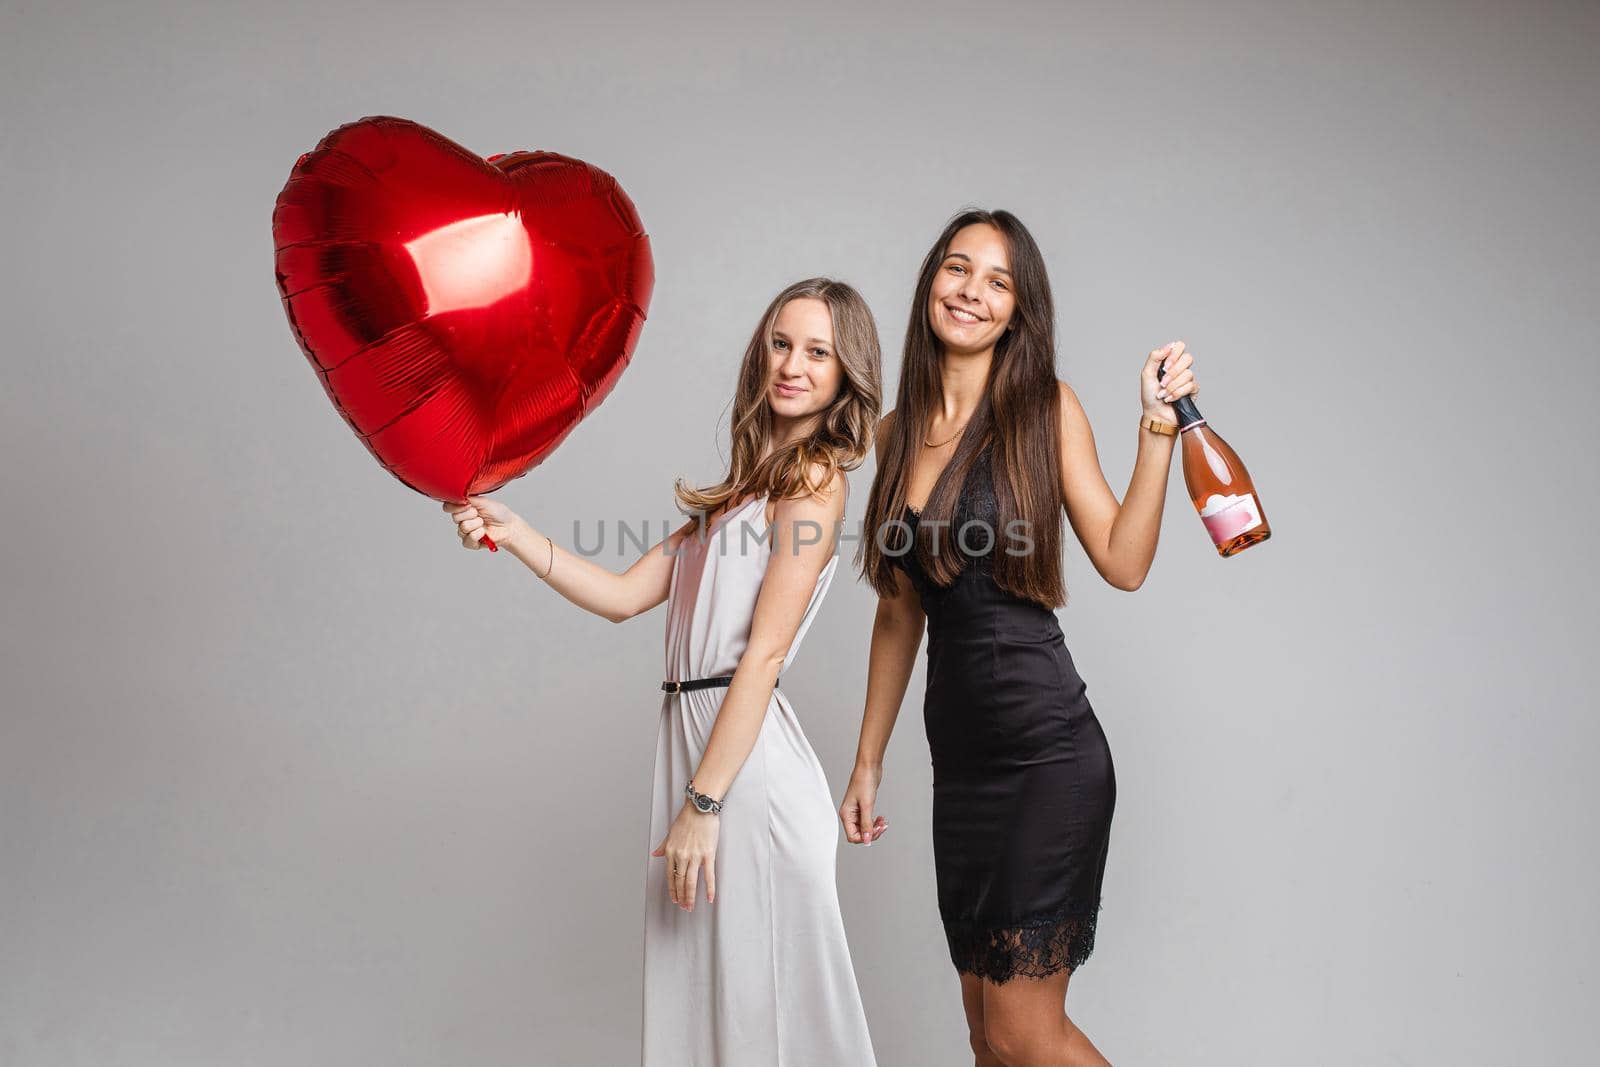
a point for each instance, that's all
(803, 534)
(1120, 539)
(897, 630)
(585, 583)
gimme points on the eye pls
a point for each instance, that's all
(779, 343)
(958, 267)
(820, 353)
(1000, 284)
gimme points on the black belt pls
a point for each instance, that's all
(700, 683)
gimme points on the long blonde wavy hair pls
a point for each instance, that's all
(840, 436)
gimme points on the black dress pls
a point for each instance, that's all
(1023, 785)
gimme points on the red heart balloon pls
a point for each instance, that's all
(463, 314)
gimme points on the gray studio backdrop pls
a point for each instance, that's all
(287, 777)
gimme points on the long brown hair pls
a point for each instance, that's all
(841, 434)
(1018, 415)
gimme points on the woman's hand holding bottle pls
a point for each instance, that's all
(1158, 394)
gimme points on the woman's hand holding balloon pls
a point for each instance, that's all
(480, 517)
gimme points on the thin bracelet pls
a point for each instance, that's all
(545, 577)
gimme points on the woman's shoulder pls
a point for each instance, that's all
(829, 481)
(1072, 420)
(829, 489)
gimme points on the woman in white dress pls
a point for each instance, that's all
(741, 815)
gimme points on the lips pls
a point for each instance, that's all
(963, 316)
(789, 390)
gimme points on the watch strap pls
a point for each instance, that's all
(701, 801)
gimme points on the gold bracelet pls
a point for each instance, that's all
(1160, 426)
(552, 564)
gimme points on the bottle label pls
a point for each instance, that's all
(1226, 517)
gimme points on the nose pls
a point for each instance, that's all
(793, 364)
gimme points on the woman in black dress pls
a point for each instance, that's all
(983, 452)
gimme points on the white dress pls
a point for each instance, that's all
(761, 978)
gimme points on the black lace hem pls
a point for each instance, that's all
(1035, 948)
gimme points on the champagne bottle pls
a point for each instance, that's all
(1219, 485)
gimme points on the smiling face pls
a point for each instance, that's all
(972, 300)
(806, 372)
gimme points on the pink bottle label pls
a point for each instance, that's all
(1226, 517)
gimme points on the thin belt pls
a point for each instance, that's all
(702, 683)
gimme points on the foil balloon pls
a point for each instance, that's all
(463, 314)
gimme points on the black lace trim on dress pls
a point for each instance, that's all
(1034, 948)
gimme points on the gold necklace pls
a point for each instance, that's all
(929, 444)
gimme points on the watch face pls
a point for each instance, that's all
(703, 802)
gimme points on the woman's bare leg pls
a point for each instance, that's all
(1025, 1024)
(972, 1004)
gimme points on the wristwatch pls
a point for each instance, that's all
(701, 801)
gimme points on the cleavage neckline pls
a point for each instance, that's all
(982, 458)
